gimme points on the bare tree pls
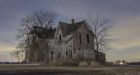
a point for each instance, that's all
(100, 27)
(27, 35)
(18, 54)
(40, 18)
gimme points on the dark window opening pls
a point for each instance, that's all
(79, 49)
(60, 38)
(66, 53)
(33, 39)
(76, 37)
(80, 39)
(58, 55)
(87, 38)
(52, 55)
(70, 54)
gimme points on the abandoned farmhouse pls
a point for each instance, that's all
(67, 44)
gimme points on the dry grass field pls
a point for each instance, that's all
(24, 69)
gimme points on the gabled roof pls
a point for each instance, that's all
(70, 28)
(66, 29)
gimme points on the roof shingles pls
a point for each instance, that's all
(69, 28)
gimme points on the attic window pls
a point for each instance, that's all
(87, 38)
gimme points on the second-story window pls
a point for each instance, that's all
(80, 39)
(87, 38)
(33, 40)
(66, 53)
(60, 38)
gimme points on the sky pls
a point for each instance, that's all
(124, 15)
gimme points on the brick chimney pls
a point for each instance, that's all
(72, 20)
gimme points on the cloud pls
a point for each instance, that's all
(7, 46)
(125, 40)
(125, 34)
(128, 54)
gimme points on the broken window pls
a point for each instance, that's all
(69, 54)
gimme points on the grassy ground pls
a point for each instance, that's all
(15, 69)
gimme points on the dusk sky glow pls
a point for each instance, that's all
(124, 16)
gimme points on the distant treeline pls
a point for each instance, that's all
(134, 63)
(11, 63)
